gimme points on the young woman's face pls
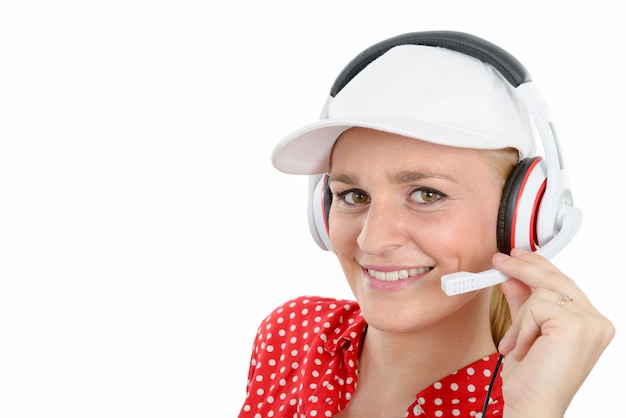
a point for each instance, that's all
(404, 213)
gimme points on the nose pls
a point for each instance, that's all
(383, 228)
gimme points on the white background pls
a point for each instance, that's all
(143, 231)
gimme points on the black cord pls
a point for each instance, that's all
(493, 381)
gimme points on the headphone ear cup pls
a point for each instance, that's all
(519, 205)
(320, 198)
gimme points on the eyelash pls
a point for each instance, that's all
(342, 196)
(433, 192)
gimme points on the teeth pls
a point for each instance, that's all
(396, 275)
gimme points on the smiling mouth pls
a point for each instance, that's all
(390, 276)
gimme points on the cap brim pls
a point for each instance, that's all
(307, 150)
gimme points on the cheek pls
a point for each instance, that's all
(343, 232)
(465, 240)
(481, 227)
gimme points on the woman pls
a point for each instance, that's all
(418, 157)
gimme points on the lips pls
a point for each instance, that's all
(390, 276)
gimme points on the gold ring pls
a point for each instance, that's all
(563, 300)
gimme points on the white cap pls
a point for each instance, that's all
(429, 93)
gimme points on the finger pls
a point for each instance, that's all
(536, 272)
(526, 325)
(529, 331)
(542, 316)
(516, 293)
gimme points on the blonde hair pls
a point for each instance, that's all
(499, 314)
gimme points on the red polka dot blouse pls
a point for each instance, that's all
(304, 365)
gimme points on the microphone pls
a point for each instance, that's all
(464, 281)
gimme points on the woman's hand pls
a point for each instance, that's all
(553, 343)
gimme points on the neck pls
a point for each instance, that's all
(412, 361)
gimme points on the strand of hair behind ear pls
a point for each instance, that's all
(499, 315)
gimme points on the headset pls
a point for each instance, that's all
(536, 210)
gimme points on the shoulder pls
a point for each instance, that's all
(311, 307)
(296, 349)
(308, 314)
(307, 321)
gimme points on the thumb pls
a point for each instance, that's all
(516, 293)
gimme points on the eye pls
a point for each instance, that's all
(354, 197)
(424, 195)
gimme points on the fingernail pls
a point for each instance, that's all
(500, 257)
(519, 252)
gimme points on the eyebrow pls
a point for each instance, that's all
(402, 177)
(342, 178)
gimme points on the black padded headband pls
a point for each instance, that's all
(505, 63)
